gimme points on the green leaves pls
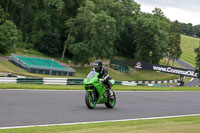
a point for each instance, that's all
(81, 52)
(102, 35)
(59, 4)
(8, 36)
(2, 15)
(94, 30)
(150, 38)
(49, 43)
(197, 51)
(175, 41)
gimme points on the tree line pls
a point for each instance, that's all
(88, 29)
(190, 30)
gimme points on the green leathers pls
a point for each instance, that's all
(96, 92)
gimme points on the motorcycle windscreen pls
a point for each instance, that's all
(91, 75)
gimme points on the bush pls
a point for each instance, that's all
(49, 43)
(8, 36)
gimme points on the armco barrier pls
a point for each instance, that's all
(118, 82)
(68, 81)
(31, 80)
(75, 81)
(8, 79)
(58, 81)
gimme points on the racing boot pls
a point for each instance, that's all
(110, 93)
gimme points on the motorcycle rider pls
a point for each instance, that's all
(103, 75)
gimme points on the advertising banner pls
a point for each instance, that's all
(153, 67)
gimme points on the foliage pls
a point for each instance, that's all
(197, 51)
(197, 30)
(8, 36)
(8, 33)
(94, 30)
(81, 53)
(190, 30)
(2, 15)
(175, 41)
(49, 43)
(102, 28)
(151, 38)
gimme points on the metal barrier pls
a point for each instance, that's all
(30, 80)
(69, 81)
(8, 79)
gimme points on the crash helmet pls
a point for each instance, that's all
(98, 65)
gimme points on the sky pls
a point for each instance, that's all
(186, 11)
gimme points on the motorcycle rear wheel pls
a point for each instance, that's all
(88, 100)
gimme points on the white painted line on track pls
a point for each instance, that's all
(157, 91)
(41, 90)
(191, 79)
(65, 124)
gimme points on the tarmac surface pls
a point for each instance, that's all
(37, 107)
(195, 81)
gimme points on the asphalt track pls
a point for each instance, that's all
(195, 81)
(32, 107)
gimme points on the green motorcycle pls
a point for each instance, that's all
(96, 92)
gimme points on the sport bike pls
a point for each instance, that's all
(96, 92)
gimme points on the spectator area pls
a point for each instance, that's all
(41, 66)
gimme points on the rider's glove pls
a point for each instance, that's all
(101, 80)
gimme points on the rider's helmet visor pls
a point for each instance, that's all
(96, 67)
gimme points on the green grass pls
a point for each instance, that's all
(133, 75)
(6, 66)
(81, 87)
(30, 52)
(171, 63)
(190, 124)
(35, 53)
(188, 44)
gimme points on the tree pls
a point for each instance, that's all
(125, 13)
(81, 53)
(8, 36)
(8, 32)
(94, 29)
(151, 38)
(2, 15)
(49, 43)
(197, 51)
(174, 48)
(188, 29)
(69, 24)
(197, 30)
(101, 35)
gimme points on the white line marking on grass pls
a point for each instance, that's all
(65, 124)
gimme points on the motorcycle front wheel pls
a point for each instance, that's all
(111, 102)
(89, 100)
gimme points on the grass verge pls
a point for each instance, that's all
(133, 75)
(81, 87)
(189, 124)
(6, 66)
(188, 44)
